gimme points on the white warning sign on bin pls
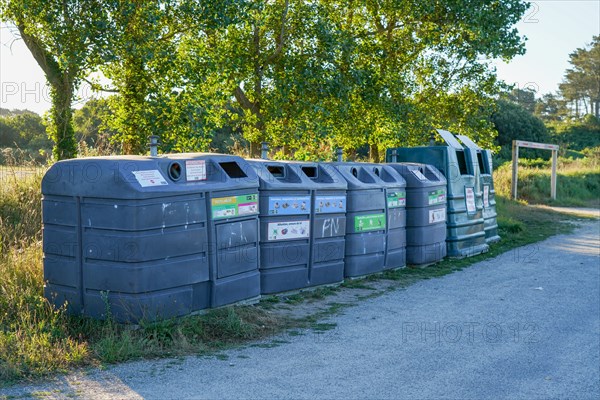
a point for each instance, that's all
(470, 200)
(486, 196)
(195, 170)
(288, 230)
(151, 177)
(437, 215)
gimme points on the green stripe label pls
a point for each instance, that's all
(371, 222)
(437, 196)
(234, 206)
(396, 199)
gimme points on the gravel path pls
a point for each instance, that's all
(524, 325)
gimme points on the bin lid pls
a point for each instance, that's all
(388, 176)
(468, 142)
(359, 175)
(279, 174)
(139, 177)
(449, 139)
(419, 175)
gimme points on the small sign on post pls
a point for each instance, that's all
(515, 164)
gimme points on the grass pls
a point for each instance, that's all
(578, 181)
(37, 340)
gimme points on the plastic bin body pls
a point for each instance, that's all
(482, 160)
(465, 223)
(425, 212)
(328, 239)
(395, 195)
(123, 236)
(366, 220)
(489, 198)
(285, 226)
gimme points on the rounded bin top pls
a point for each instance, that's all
(368, 175)
(389, 176)
(139, 177)
(419, 175)
(275, 174)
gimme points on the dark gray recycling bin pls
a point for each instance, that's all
(328, 240)
(302, 219)
(366, 220)
(426, 212)
(285, 219)
(465, 223)
(486, 184)
(395, 195)
(150, 237)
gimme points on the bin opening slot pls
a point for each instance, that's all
(276, 170)
(386, 176)
(462, 162)
(429, 174)
(354, 172)
(376, 171)
(311, 172)
(232, 169)
(482, 166)
(175, 171)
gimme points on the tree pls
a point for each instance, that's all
(581, 84)
(513, 122)
(308, 76)
(156, 94)
(24, 129)
(551, 107)
(523, 97)
(65, 38)
(411, 67)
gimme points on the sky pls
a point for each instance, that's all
(554, 28)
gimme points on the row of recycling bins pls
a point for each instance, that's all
(157, 237)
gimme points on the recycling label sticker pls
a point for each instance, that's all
(396, 199)
(437, 196)
(288, 230)
(470, 200)
(330, 204)
(195, 170)
(437, 215)
(289, 205)
(371, 222)
(234, 206)
(151, 177)
(486, 196)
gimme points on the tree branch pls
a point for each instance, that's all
(241, 98)
(44, 59)
(281, 37)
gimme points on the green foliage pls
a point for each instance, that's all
(90, 122)
(305, 76)
(513, 122)
(24, 130)
(576, 135)
(162, 87)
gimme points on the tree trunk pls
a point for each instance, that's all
(255, 149)
(61, 115)
(374, 153)
(62, 85)
(287, 151)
